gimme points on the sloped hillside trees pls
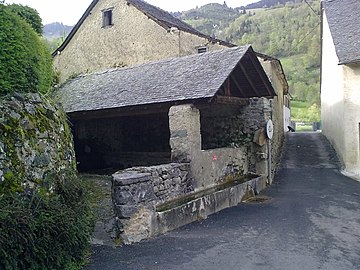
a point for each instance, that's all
(25, 62)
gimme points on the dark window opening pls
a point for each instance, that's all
(107, 18)
(202, 50)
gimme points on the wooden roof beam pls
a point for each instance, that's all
(238, 85)
(263, 77)
(249, 79)
(231, 100)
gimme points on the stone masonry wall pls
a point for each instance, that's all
(136, 192)
(35, 142)
(223, 126)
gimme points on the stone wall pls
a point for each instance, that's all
(274, 71)
(208, 168)
(230, 126)
(137, 191)
(35, 142)
(132, 39)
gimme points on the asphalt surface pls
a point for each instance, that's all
(312, 221)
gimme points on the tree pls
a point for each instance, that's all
(30, 15)
(25, 62)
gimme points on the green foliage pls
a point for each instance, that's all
(30, 15)
(46, 230)
(209, 18)
(54, 43)
(304, 112)
(25, 62)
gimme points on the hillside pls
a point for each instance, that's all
(55, 33)
(270, 3)
(289, 32)
(56, 30)
(209, 18)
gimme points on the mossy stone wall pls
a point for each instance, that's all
(35, 143)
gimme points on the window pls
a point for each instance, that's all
(202, 49)
(107, 17)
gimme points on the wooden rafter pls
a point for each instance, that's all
(227, 87)
(119, 112)
(263, 76)
(231, 100)
(238, 85)
(249, 79)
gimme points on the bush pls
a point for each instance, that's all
(46, 230)
(25, 62)
(30, 15)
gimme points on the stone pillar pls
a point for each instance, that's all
(185, 137)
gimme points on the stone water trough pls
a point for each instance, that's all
(149, 201)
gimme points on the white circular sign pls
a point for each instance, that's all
(269, 129)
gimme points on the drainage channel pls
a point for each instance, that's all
(196, 195)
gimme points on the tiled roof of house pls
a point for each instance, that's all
(160, 16)
(194, 77)
(344, 21)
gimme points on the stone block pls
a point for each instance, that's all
(125, 211)
(143, 192)
(179, 134)
(129, 178)
(123, 197)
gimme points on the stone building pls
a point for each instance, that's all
(340, 80)
(201, 111)
(120, 33)
(123, 117)
(199, 114)
(132, 32)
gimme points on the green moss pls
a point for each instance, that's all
(8, 176)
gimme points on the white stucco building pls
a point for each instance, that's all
(340, 80)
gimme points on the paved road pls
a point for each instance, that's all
(311, 222)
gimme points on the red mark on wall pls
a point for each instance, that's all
(214, 158)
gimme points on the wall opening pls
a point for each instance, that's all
(112, 144)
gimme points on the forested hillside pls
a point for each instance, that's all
(55, 33)
(289, 32)
(211, 18)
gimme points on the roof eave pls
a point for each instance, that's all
(349, 62)
(75, 28)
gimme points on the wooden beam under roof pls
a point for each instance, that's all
(238, 86)
(263, 76)
(231, 100)
(249, 79)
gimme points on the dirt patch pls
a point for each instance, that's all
(258, 199)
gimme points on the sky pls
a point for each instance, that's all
(70, 11)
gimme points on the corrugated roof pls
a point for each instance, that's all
(187, 78)
(344, 21)
(160, 16)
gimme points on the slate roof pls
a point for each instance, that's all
(160, 16)
(193, 77)
(344, 21)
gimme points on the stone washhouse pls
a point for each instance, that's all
(186, 136)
